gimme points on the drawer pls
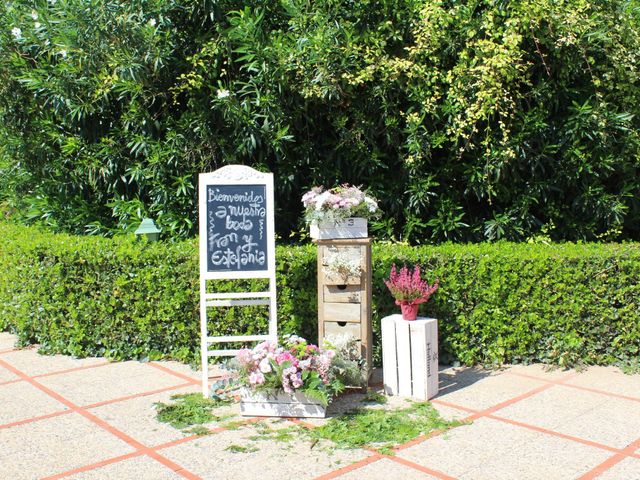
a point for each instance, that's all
(342, 328)
(334, 278)
(341, 312)
(345, 254)
(342, 293)
(333, 256)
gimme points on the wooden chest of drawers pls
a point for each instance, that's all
(344, 290)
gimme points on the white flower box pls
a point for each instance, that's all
(280, 404)
(354, 227)
(410, 356)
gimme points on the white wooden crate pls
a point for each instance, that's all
(280, 404)
(410, 356)
(354, 227)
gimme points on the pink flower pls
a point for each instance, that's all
(296, 381)
(284, 357)
(309, 198)
(256, 378)
(244, 357)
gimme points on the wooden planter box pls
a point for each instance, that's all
(349, 228)
(410, 356)
(280, 404)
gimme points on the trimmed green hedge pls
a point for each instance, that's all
(563, 304)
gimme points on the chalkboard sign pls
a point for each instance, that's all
(236, 228)
(237, 241)
(237, 238)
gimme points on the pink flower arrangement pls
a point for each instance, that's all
(337, 204)
(296, 365)
(408, 287)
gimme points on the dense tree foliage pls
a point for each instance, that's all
(469, 120)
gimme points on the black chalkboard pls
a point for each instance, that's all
(236, 228)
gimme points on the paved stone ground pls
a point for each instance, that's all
(90, 419)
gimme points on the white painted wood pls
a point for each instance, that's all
(354, 227)
(220, 353)
(418, 341)
(236, 303)
(234, 175)
(410, 356)
(279, 404)
(432, 359)
(403, 348)
(238, 338)
(229, 295)
(389, 358)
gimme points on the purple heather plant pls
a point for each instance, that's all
(408, 286)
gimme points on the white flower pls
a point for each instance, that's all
(265, 366)
(37, 25)
(320, 199)
(16, 32)
(223, 93)
(63, 53)
(34, 14)
(371, 204)
(152, 22)
(52, 2)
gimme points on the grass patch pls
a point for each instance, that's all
(374, 397)
(287, 434)
(234, 424)
(241, 449)
(383, 429)
(199, 430)
(187, 410)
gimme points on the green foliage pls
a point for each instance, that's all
(380, 428)
(234, 448)
(187, 410)
(562, 304)
(122, 298)
(478, 120)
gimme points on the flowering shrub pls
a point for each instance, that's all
(294, 366)
(338, 203)
(407, 286)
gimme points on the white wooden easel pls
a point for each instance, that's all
(234, 175)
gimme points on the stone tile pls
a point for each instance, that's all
(608, 379)
(32, 363)
(55, 445)
(551, 407)
(384, 470)
(591, 416)
(85, 387)
(627, 469)
(7, 375)
(138, 468)
(271, 460)
(495, 450)
(539, 370)
(7, 340)
(479, 389)
(21, 401)
(449, 413)
(183, 369)
(615, 422)
(137, 417)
